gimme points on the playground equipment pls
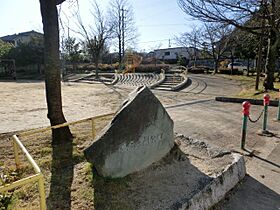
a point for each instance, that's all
(131, 61)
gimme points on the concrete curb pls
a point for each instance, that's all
(241, 100)
(182, 84)
(116, 79)
(219, 186)
(78, 79)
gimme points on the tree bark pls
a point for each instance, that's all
(96, 68)
(52, 70)
(216, 64)
(271, 58)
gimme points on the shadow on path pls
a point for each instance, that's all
(250, 195)
(251, 154)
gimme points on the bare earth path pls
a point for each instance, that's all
(23, 103)
(194, 111)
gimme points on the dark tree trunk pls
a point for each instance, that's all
(232, 62)
(216, 64)
(271, 58)
(120, 50)
(96, 68)
(248, 66)
(52, 70)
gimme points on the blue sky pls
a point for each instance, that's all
(157, 21)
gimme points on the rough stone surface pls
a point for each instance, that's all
(140, 134)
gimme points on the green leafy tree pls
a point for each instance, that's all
(72, 52)
(28, 53)
(5, 48)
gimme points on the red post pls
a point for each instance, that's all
(246, 112)
(246, 108)
(266, 98)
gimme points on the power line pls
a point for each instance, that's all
(160, 40)
(161, 25)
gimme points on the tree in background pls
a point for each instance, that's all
(211, 39)
(31, 53)
(53, 70)
(97, 36)
(123, 24)
(245, 46)
(238, 13)
(72, 52)
(5, 49)
(217, 37)
(191, 40)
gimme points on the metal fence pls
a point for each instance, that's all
(38, 176)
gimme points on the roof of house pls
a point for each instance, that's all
(173, 48)
(14, 36)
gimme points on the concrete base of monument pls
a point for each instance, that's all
(194, 175)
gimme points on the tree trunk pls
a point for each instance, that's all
(271, 58)
(96, 68)
(120, 50)
(216, 64)
(248, 67)
(52, 70)
(232, 62)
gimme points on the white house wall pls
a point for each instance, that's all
(172, 53)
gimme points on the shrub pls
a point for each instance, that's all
(151, 68)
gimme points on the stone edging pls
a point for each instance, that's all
(162, 78)
(182, 84)
(116, 79)
(241, 100)
(76, 80)
(215, 191)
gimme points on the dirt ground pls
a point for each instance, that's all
(23, 104)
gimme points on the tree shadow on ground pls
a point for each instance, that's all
(62, 172)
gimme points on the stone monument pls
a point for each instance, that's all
(140, 133)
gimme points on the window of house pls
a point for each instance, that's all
(167, 53)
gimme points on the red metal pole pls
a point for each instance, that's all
(246, 112)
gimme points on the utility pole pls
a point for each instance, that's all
(120, 37)
(195, 40)
(123, 29)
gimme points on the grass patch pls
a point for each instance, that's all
(248, 87)
(68, 177)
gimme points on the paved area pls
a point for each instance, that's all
(194, 112)
(220, 123)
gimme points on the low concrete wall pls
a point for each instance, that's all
(116, 79)
(162, 78)
(182, 84)
(241, 100)
(215, 191)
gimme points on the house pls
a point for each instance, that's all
(24, 37)
(169, 54)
